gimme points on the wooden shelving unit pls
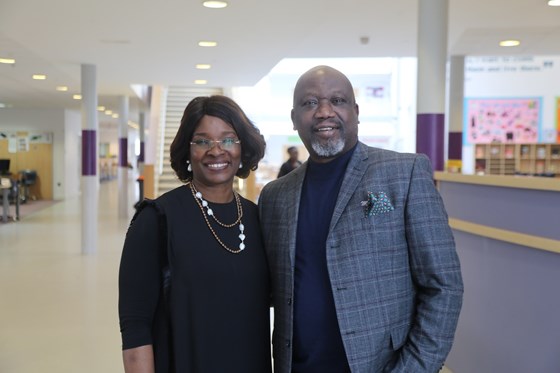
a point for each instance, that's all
(511, 159)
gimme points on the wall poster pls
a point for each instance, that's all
(558, 120)
(504, 120)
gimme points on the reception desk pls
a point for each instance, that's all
(507, 231)
(516, 209)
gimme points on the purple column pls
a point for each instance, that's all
(455, 145)
(123, 174)
(432, 57)
(456, 88)
(89, 153)
(90, 180)
(430, 129)
(123, 152)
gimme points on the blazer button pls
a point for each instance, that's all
(289, 301)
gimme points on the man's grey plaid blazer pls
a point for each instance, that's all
(391, 258)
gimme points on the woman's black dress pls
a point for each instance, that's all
(219, 301)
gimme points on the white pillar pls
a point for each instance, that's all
(90, 180)
(454, 112)
(124, 206)
(456, 94)
(432, 58)
(432, 55)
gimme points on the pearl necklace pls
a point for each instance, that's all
(202, 203)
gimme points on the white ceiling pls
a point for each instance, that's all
(155, 42)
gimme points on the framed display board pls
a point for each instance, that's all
(504, 120)
(558, 120)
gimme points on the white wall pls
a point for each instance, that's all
(387, 119)
(66, 127)
(513, 77)
(41, 120)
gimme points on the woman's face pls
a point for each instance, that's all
(214, 161)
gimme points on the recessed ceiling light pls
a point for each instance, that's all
(206, 43)
(39, 76)
(109, 112)
(62, 88)
(77, 97)
(509, 43)
(554, 2)
(7, 60)
(200, 81)
(215, 4)
(115, 115)
(203, 66)
(101, 108)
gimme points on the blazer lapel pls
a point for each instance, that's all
(293, 196)
(354, 173)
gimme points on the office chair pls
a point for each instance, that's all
(27, 179)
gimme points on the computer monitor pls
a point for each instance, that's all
(4, 166)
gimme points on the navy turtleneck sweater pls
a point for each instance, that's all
(317, 344)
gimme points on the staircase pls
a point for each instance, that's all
(176, 101)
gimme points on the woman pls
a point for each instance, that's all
(218, 299)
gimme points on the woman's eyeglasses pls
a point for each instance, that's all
(228, 143)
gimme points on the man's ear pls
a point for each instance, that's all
(292, 115)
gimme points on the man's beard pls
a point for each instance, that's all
(329, 149)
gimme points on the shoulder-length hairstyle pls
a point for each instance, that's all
(252, 142)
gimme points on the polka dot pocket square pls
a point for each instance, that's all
(376, 204)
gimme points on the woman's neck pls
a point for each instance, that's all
(221, 193)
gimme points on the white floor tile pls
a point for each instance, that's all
(59, 307)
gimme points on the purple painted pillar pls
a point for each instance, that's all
(456, 88)
(430, 130)
(123, 152)
(89, 152)
(90, 181)
(455, 146)
(432, 58)
(124, 203)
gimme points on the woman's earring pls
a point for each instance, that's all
(189, 168)
(240, 164)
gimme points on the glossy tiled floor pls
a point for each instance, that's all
(58, 308)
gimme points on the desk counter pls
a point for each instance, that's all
(507, 232)
(517, 209)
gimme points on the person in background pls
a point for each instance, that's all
(213, 312)
(365, 275)
(291, 164)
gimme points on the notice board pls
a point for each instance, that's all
(504, 120)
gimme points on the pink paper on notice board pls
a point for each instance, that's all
(503, 120)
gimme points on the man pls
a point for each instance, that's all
(291, 164)
(363, 263)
